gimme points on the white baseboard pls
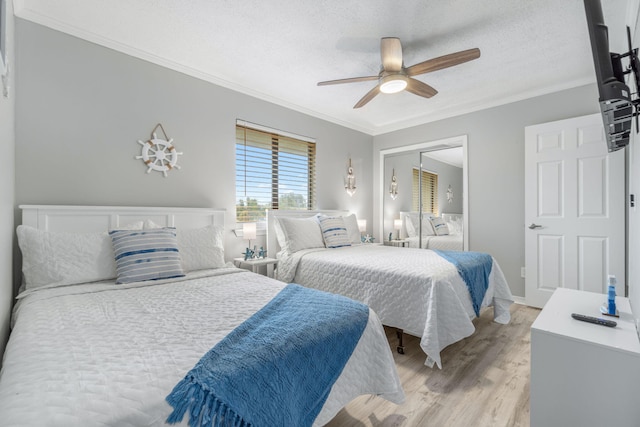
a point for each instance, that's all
(519, 300)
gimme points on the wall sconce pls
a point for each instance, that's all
(393, 189)
(397, 224)
(450, 194)
(350, 180)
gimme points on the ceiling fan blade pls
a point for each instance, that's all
(368, 97)
(391, 54)
(443, 62)
(349, 80)
(418, 88)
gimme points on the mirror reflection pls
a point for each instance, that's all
(428, 183)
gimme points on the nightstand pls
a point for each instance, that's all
(256, 263)
(400, 243)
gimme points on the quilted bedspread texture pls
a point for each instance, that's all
(95, 354)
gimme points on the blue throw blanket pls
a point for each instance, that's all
(275, 369)
(474, 268)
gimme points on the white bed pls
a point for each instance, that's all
(414, 290)
(105, 354)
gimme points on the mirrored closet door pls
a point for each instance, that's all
(424, 195)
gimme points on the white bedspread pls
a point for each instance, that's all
(451, 242)
(412, 289)
(106, 355)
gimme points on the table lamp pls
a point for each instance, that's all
(249, 233)
(397, 224)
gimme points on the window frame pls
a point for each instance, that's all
(280, 145)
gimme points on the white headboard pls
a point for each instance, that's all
(272, 242)
(88, 219)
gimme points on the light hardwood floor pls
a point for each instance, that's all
(484, 381)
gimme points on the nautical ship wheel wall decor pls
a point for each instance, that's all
(159, 154)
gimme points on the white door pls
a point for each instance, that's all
(574, 209)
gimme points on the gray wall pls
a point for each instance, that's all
(82, 108)
(496, 163)
(7, 140)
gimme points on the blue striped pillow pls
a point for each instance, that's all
(146, 254)
(334, 231)
(439, 226)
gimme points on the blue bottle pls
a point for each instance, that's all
(612, 295)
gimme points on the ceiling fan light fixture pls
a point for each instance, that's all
(394, 77)
(393, 84)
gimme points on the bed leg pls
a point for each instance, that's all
(399, 334)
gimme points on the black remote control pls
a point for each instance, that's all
(596, 320)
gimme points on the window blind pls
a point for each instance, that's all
(273, 171)
(429, 192)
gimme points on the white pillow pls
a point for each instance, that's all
(150, 225)
(455, 226)
(334, 231)
(201, 248)
(297, 234)
(64, 258)
(280, 237)
(412, 225)
(440, 226)
(143, 255)
(351, 222)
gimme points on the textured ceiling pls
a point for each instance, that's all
(279, 50)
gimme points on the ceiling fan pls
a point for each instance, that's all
(395, 77)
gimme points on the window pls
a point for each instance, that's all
(273, 171)
(429, 191)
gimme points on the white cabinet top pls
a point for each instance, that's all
(556, 319)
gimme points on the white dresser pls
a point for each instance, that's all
(583, 374)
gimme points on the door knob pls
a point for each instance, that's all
(533, 226)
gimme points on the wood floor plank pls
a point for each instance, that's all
(484, 381)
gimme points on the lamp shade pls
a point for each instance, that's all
(397, 224)
(362, 225)
(249, 230)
